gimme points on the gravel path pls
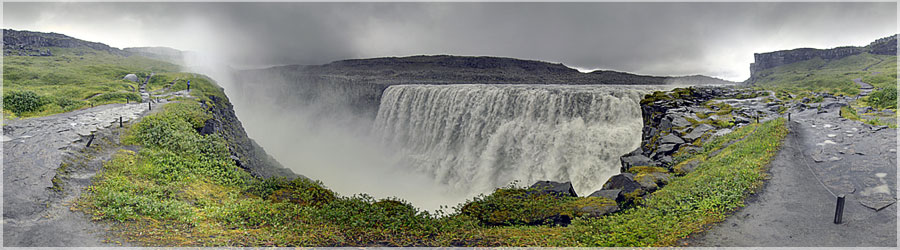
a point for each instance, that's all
(33, 149)
(794, 209)
(864, 88)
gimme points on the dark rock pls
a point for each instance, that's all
(555, 188)
(652, 181)
(666, 148)
(665, 125)
(666, 160)
(253, 157)
(679, 121)
(623, 181)
(833, 105)
(612, 194)
(687, 167)
(670, 138)
(634, 160)
(698, 131)
(805, 100)
(596, 210)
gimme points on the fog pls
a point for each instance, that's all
(322, 139)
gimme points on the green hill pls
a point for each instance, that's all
(48, 73)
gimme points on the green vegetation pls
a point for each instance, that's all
(850, 113)
(834, 76)
(884, 98)
(73, 78)
(706, 195)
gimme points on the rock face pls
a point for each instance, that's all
(249, 155)
(555, 188)
(27, 43)
(763, 61)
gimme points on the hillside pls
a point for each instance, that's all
(827, 70)
(448, 69)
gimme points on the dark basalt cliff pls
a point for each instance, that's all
(763, 61)
(244, 151)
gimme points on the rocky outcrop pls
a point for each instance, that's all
(768, 60)
(884, 46)
(244, 151)
(763, 61)
(27, 43)
(555, 188)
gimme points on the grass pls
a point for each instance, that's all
(830, 76)
(74, 78)
(850, 113)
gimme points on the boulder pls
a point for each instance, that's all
(131, 77)
(698, 131)
(555, 188)
(833, 105)
(612, 194)
(666, 160)
(593, 207)
(634, 160)
(686, 167)
(652, 181)
(624, 182)
(666, 148)
(679, 121)
(670, 138)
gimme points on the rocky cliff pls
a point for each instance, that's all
(763, 61)
(28, 43)
(244, 151)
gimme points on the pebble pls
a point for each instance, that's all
(831, 135)
(834, 158)
(829, 142)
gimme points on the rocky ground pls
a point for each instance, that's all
(824, 156)
(46, 164)
(33, 150)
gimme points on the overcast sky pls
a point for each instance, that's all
(716, 39)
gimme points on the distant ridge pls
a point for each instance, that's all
(29, 43)
(763, 61)
(449, 69)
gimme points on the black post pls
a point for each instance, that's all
(126, 100)
(148, 106)
(120, 121)
(839, 210)
(789, 116)
(90, 141)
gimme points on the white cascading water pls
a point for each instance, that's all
(474, 138)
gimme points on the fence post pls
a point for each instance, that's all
(839, 210)
(120, 121)
(90, 141)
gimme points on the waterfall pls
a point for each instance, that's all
(474, 138)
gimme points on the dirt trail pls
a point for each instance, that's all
(795, 209)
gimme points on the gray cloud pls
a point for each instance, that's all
(716, 39)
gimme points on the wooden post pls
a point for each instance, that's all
(839, 210)
(148, 106)
(120, 121)
(90, 141)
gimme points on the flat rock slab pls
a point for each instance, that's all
(877, 205)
